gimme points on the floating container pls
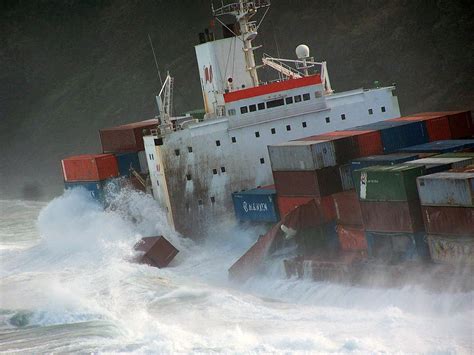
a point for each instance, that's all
(351, 238)
(389, 159)
(127, 161)
(437, 127)
(319, 183)
(257, 205)
(345, 172)
(156, 251)
(388, 183)
(90, 167)
(398, 134)
(143, 162)
(441, 146)
(397, 247)
(392, 216)
(302, 155)
(345, 146)
(126, 138)
(367, 142)
(449, 220)
(98, 190)
(447, 189)
(451, 250)
(133, 183)
(347, 208)
(286, 204)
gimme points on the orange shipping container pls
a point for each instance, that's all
(125, 138)
(351, 238)
(90, 167)
(367, 142)
(286, 204)
(437, 126)
(461, 124)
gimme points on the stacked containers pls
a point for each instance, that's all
(461, 124)
(445, 146)
(447, 201)
(91, 172)
(391, 211)
(439, 164)
(256, 205)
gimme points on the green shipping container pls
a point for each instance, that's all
(388, 183)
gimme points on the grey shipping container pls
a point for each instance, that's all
(446, 189)
(302, 155)
(345, 172)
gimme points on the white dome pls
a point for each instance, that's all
(302, 51)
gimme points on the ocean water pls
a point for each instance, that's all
(66, 285)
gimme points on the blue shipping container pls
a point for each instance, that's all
(98, 189)
(445, 146)
(397, 247)
(389, 159)
(258, 205)
(126, 161)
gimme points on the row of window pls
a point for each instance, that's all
(223, 170)
(273, 103)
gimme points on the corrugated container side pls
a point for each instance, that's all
(447, 189)
(258, 205)
(449, 220)
(392, 216)
(89, 167)
(441, 146)
(287, 204)
(302, 155)
(126, 161)
(397, 247)
(320, 183)
(388, 183)
(456, 155)
(389, 159)
(143, 162)
(405, 135)
(125, 138)
(351, 238)
(451, 250)
(437, 127)
(315, 240)
(345, 172)
(345, 146)
(461, 124)
(369, 142)
(347, 208)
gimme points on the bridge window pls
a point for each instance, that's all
(214, 171)
(253, 108)
(371, 111)
(233, 140)
(289, 100)
(244, 109)
(343, 116)
(273, 130)
(218, 143)
(288, 127)
(328, 120)
(190, 149)
(262, 161)
(275, 103)
(257, 134)
(383, 108)
(303, 124)
(306, 97)
(261, 106)
(298, 98)
(231, 112)
(223, 169)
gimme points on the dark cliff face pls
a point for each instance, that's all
(71, 67)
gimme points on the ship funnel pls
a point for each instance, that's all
(302, 51)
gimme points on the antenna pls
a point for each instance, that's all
(156, 62)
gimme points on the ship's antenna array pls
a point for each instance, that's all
(156, 62)
(244, 11)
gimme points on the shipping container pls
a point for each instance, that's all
(127, 161)
(441, 146)
(155, 251)
(317, 240)
(461, 124)
(351, 238)
(345, 172)
(389, 159)
(398, 134)
(456, 155)
(437, 127)
(447, 189)
(387, 183)
(89, 167)
(367, 142)
(397, 247)
(449, 220)
(286, 204)
(451, 250)
(319, 183)
(434, 168)
(392, 216)
(126, 138)
(302, 155)
(345, 146)
(143, 162)
(101, 191)
(133, 183)
(465, 169)
(451, 162)
(347, 208)
(256, 205)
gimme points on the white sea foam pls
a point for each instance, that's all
(75, 286)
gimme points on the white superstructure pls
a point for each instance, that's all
(196, 165)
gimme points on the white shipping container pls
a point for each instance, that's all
(302, 155)
(446, 189)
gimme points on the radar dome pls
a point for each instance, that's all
(302, 51)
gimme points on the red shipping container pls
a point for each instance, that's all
(351, 238)
(157, 251)
(392, 216)
(461, 124)
(436, 126)
(125, 138)
(449, 220)
(367, 142)
(347, 207)
(319, 183)
(90, 167)
(286, 204)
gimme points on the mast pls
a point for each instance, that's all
(243, 11)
